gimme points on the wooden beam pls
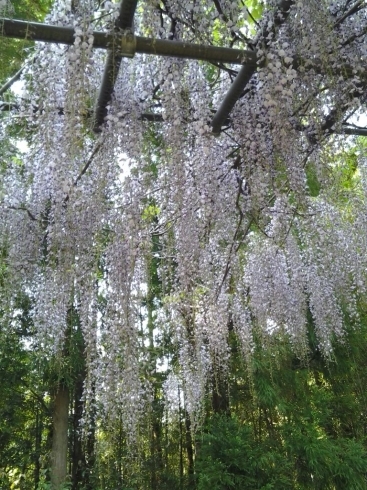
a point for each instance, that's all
(246, 72)
(34, 31)
(124, 21)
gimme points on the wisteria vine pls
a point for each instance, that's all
(238, 239)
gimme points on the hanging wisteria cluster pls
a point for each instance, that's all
(228, 223)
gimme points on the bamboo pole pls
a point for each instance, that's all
(34, 31)
(245, 73)
(114, 58)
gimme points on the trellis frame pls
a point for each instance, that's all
(122, 42)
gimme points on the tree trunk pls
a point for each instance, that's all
(37, 448)
(90, 457)
(189, 451)
(220, 394)
(59, 450)
(77, 457)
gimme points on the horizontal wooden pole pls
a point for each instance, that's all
(66, 35)
(181, 49)
(34, 31)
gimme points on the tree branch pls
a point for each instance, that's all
(252, 17)
(220, 10)
(85, 168)
(355, 36)
(356, 7)
(23, 208)
(353, 130)
(8, 106)
(88, 163)
(10, 82)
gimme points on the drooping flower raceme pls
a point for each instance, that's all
(237, 237)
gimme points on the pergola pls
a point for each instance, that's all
(122, 42)
(213, 207)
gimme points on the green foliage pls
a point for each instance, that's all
(14, 51)
(31, 9)
(295, 424)
(44, 483)
(256, 8)
(22, 408)
(312, 181)
(231, 457)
